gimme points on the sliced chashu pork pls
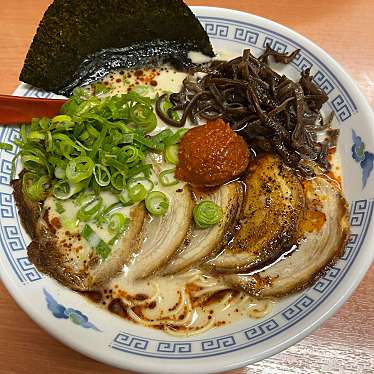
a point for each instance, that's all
(325, 231)
(203, 243)
(269, 217)
(163, 235)
(65, 255)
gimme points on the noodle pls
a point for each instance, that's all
(175, 320)
(181, 301)
(257, 312)
(244, 300)
(200, 301)
(205, 283)
(193, 276)
(131, 301)
(189, 332)
(225, 301)
(151, 298)
(212, 289)
(187, 303)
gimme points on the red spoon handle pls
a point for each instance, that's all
(18, 109)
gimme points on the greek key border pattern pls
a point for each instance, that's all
(13, 239)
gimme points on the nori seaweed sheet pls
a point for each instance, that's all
(79, 41)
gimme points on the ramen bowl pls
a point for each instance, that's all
(85, 327)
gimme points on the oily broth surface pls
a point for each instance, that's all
(183, 304)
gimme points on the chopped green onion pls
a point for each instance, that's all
(162, 136)
(157, 203)
(34, 186)
(109, 209)
(120, 138)
(100, 89)
(115, 164)
(86, 106)
(171, 154)
(117, 223)
(33, 163)
(91, 209)
(102, 216)
(166, 108)
(57, 162)
(94, 186)
(176, 137)
(146, 182)
(206, 214)
(96, 143)
(118, 180)
(66, 149)
(148, 142)
(44, 123)
(60, 173)
(136, 170)
(114, 239)
(36, 135)
(131, 155)
(71, 106)
(49, 142)
(62, 118)
(167, 177)
(59, 207)
(125, 197)
(101, 174)
(14, 166)
(79, 169)
(103, 249)
(63, 190)
(95, 242)
(144, 90)
(69, 223)
(137, 193)
(92, 131)
(6, 146)
(83, 198)
(143, 117)
(24, 129)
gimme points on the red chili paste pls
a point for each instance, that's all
(211, 155)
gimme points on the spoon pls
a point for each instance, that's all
(19, 109)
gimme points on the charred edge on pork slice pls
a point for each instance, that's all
(261, 240)
(262, 284)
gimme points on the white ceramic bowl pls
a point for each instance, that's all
(98, 334)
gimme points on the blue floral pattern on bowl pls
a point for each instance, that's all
(75, 316)
(365, 158)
